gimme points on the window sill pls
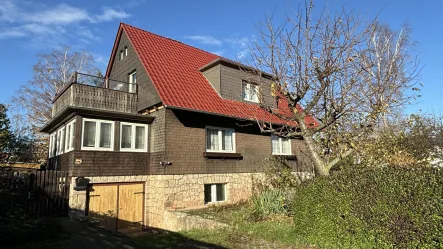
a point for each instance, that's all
(250, 101)
(287, 157)
(222, 155)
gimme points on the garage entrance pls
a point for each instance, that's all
(117, 206)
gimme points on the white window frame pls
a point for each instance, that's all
(132, 82)
(97, 134)
(214, 193)
(60, 141)
(71, 126)
(220, 145)
(280, 139)
(248, 87)
(52, 144)
(120, 55)
(126, 51)
(133, 128)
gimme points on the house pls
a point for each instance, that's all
(172, 127)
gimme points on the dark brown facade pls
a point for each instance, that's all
(121, 69)
(100, 163)
(186, 145)
(176, 138)
(227, 81)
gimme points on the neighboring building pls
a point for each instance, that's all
(171, 128)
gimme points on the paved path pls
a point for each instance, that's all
(86, 236)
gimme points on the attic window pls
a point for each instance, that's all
(121, 55)
(250, 92)
(126, 51)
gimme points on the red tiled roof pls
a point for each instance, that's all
(174, 70)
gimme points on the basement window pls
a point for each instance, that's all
(97, 134)
(250, 92)
(220, 139)
(215, 192)
(280, 145)
(133, 137)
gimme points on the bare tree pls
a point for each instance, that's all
(52, 72)
(347, 73)
(33, 100)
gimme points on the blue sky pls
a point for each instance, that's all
(29, 27)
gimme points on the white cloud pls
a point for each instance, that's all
(109, 15)
(219, 53)
(204, 39)
(241, 43)
(51, 22)
(242, 54)
(60, 15)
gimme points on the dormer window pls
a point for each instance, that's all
(250, 92)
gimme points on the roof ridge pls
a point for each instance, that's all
(171, 39)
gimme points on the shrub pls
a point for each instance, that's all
(278, 174)
(371, 208)
(268, 203)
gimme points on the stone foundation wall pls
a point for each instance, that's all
(175, 192)
(165, 194)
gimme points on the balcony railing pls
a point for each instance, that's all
(88, 91)
(91, 80)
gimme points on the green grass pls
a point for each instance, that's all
(241, 230)
(354, 208)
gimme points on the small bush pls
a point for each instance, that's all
(268, 203)
(372, 208)
(278, 173)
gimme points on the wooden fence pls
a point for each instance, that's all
(35, 192)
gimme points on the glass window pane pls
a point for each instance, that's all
(89, 134)
(285, 146)
(254, 93)
(212, 139)
(275, 145)
(62, 140)
(126, 136)
(207, 193)
(227, 143)
(105, 135)
(140, 137)
(71, 144)
(68, 136)
(220, 192)
(246, 92)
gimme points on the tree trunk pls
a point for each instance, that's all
(319, 165)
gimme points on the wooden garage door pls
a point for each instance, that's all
(117, 206)
(130, 206)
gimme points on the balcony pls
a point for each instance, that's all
(92, 92)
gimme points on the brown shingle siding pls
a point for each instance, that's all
(231, 84)
(213, 76)
(120, 70)
(156, 140)
(186, 139)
